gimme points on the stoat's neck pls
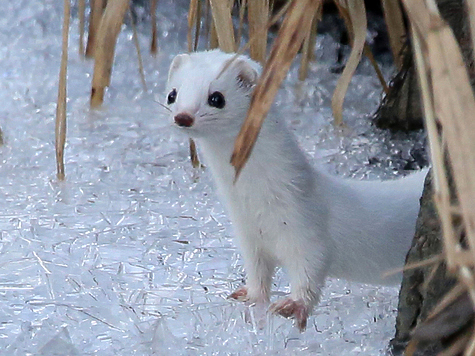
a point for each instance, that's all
(276, 160)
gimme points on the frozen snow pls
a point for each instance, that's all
(133, 253)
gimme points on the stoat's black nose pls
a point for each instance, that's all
(184, 120)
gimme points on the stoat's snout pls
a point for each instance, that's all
(184, 120)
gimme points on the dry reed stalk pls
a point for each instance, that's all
(258, 17)
(60, 125)
(366, 50)
(139, 53)
(296, 25)
(109, 29)
(223, 23)
(313, 31)
(441, 185)
(193, 18)
(369, 54)
(213, 36)
(197, 27)
(271, 22)
(457, 346)
(81, 11)
(242, 11)
(194, 14)
(97, 8)
(396, 29)
(357, 15)
(308, 46)
(195, 162)
(446, 90)
(153, 14)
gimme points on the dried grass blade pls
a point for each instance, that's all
(97, 8)
(258, 16)
(109, 29)
(456, 105)
(369, 54)
(137, 49)
(213, 36)
(195, 162)
(441, 185)
(357, 14)
(192, 18)
(81, 11)
(396, 29)
(153, 14)
(308, 46)
(242, 11)
(197, 26)
(60, 126)
(223, 23)
(296, 25)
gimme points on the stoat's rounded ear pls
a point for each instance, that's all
(247, 72)
(177, 62)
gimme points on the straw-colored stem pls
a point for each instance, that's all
(192, 18)
(153, 15)
(369, 54)
(197, 27)
(223, 23)
(97, 8)
(213, 36)
(195, 162)
(396, 29)
(308, 48)
(258, 15)
(81, 11)
(441, 190)
(242, 11)
(139, 53)
(109, 29)
(296, 25)
(60, 126)
(357, 14)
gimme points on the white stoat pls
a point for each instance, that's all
(284, 212)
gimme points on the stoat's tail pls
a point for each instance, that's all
(372, 224)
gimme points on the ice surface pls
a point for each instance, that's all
(133, 253)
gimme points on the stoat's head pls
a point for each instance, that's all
(209, 92)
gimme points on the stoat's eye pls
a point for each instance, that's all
(216, 100)
(171, 97)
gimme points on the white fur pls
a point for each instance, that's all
(284, 212)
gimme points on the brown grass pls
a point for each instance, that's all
(60, 125)
(153, 18)
(356, 25)
(296, 25)
(222, 20)
(97, 8)
(109, 29)
(396, 29)
(81, 11)
(258, 16)
(449, 106)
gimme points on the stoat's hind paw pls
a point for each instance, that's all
(290, 308)
(240, 294)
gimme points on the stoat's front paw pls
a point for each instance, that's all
(250, 295)
(240, 294)
(290, 308)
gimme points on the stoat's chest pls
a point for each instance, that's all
(262, 195)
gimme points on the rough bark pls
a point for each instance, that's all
(401, 108)
(422, 288)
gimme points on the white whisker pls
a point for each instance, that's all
(163, 106)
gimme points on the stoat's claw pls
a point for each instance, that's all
(290, 308)
(239, 294)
